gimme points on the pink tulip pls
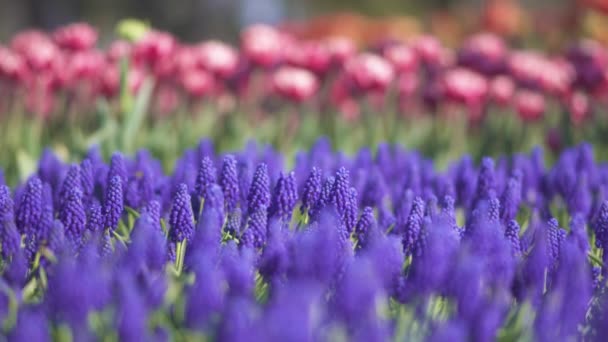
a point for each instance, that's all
(295, 84)
(465, 86)
(530, 105)
(218, 58)
(12, 66)
(402, 57)
(340, 49)
(76, 37)
(428, 49)
(578, 106)
(118, 50)
(369, 72)
(155, 47)
(311, 55)
(502, 89)
(262, 44)
(37, 49)
(197, 83)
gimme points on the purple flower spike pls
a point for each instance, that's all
(95, 221)
(512, 234)
(181, 218)
(118, 168)
(485, 180)
(284, 198)
(413, 225)
(73, 217)
(511, 198)
(312, 190)
(258, 197)
(205, 177)
(30, 207)
(229, 181)
(72, 180)
(114, 204)
(365, 228)
(256, 230)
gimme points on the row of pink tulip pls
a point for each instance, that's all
(419, 76)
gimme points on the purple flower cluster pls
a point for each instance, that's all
(251, 251)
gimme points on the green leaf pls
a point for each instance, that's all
(135, 118)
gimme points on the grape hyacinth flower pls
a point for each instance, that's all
(229, 182)
(113, 205)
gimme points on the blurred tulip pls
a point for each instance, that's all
(501, 90)
(530, 105)
(76, 37)
(262, 44)
(369, 72)
(197, 83)
(218, 58)
(402, 57)
(295, 84)
(465, 86)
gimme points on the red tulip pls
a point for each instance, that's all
(295, 84)
(369, 72)
(76, 37)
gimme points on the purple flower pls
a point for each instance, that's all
(238, 266)
(324, 197)
(511, 198)
(181, 218)
(87, 178)
(95, 221)
(578, 232)
(233, 222)
(205, 177)
(131, 313)
(113, 204)
(485, 179)
(258, 197)
(152, 209)
(256, 230)
(72, 180)
(229, 182)
(565, 305)
(118, 168)
(9, 235)
(366, 228)
(284, 198)
(512, 234)
(312, 190)
(73, 217)
(274, 260)
(204, 298)
(413, 225)
(30, 207)
(375, 189)
(32, 325)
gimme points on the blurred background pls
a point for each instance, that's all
(193, 20)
